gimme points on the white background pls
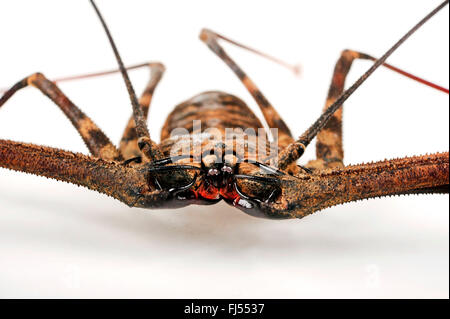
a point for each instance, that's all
(58, 240)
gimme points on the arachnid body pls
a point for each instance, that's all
(177, 172)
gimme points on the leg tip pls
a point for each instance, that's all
(206, 34)
(158, 66)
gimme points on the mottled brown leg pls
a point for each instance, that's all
(329, 146)
(96, 141)
(271, 116)
(329, 149)
(328, 128)
(129, 144)
(295, 150)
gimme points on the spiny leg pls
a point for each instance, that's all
(106, 177)
(428, 174)
(271, 116)
(329, 145)
(96, 141)
(129, 144)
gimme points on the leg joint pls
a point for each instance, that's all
(34, 78)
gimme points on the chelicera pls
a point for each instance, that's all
(142, 173)
(243, 183)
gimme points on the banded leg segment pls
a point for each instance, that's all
(271, 116)
(96, 141)
(329, 148)
(129, 144)
(329, 145)
(295, 150)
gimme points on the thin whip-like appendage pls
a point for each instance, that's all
(141, 125)
(96, 74)
(416, 78)
(142, 65)
(294, 68)
(90, 75)
(408, 75)
(296, 149)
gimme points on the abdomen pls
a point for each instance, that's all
(213, 112)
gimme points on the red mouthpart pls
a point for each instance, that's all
(210, 192)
